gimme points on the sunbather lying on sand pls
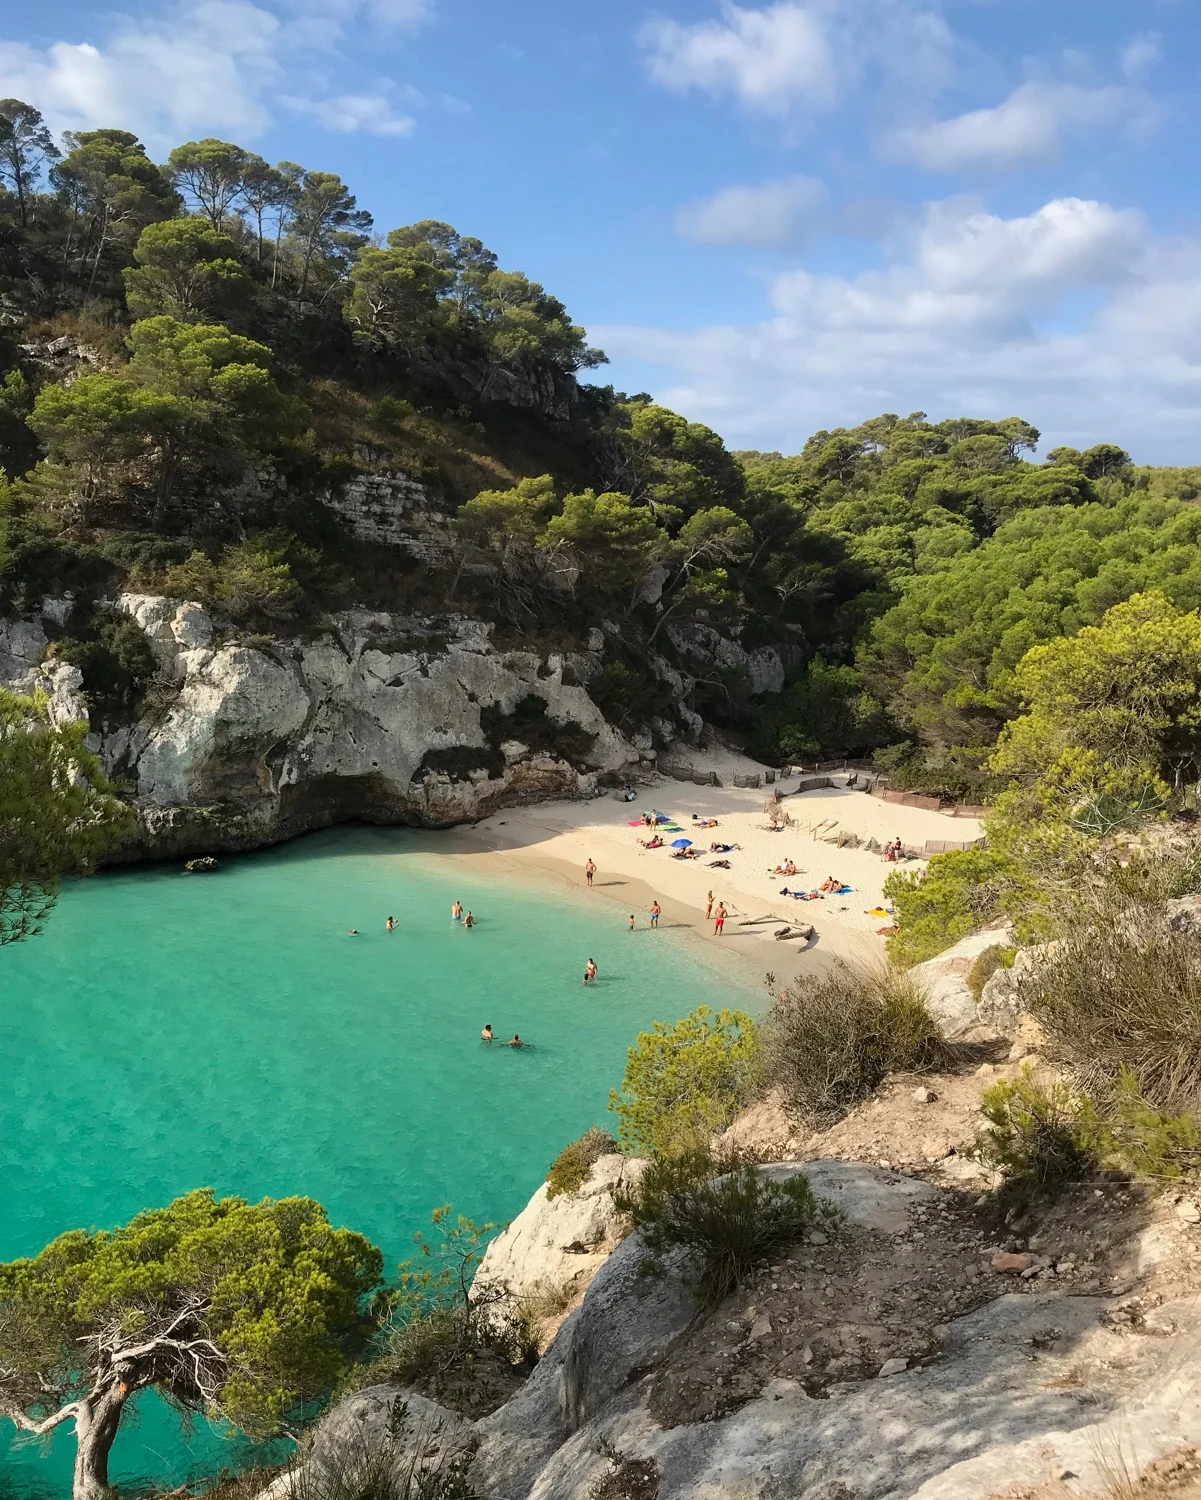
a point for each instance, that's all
(704, 822)
(722, 848)
(655, 843)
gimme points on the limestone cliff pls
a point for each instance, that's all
(376, 716)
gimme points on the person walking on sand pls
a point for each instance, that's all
(656, 912)
(719, 919)
(589, 872)
(456, 912)
(708, 906)
(486, 1034)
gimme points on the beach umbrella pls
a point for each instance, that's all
(681, 843)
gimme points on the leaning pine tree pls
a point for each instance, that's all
(243, 1312)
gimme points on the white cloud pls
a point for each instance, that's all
(795, 54)
(1030, 125)
(1074, 316)
(372, 114)
(208, 66)
(777, 215)
(1140, 54)
(764, 57)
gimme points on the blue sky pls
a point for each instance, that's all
(775, 217)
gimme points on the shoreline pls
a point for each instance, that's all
(554, 839)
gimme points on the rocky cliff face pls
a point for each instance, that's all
(379, 717)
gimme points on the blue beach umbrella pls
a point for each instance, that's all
(681, 843)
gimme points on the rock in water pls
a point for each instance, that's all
(205, 865)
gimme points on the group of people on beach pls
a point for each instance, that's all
(892, 852)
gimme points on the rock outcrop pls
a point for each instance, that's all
(1048, 1378)
(548, 1256)
(377, 716)
(945, 980)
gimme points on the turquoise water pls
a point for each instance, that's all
(171, 1031)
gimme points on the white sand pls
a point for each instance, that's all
(563, 835)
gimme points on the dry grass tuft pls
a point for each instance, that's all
(1125, 995)
(834, 1037)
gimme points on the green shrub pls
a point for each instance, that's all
(721, 1206)
(1040, 1136)
(1146, 1140)
(569, 1170)
(114, 656)
(1125, 994)
(835, 1036)
(438, 1335)
(999, 956)
(683, 1083)
(959, 893)
(252, 581)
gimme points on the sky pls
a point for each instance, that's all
(775, 217)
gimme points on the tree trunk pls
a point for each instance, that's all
(95, 1428)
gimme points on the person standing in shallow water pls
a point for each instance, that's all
(468, 921)
(589, 872)
(590, 971)
(633, 924)
(456, 912)
(656, 913)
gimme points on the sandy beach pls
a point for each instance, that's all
(560, 837)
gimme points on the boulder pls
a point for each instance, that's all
(376, 1435)
(1001, 1005)
(555, 1246)
(945, 980)
(1184, 915)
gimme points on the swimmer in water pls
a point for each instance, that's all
(468, 920)
(456, 912)
(517, 1042)
(486, 1034)
(590, 971)
(391, 924)
(354, 932)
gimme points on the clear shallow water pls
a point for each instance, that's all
(171, 1031)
